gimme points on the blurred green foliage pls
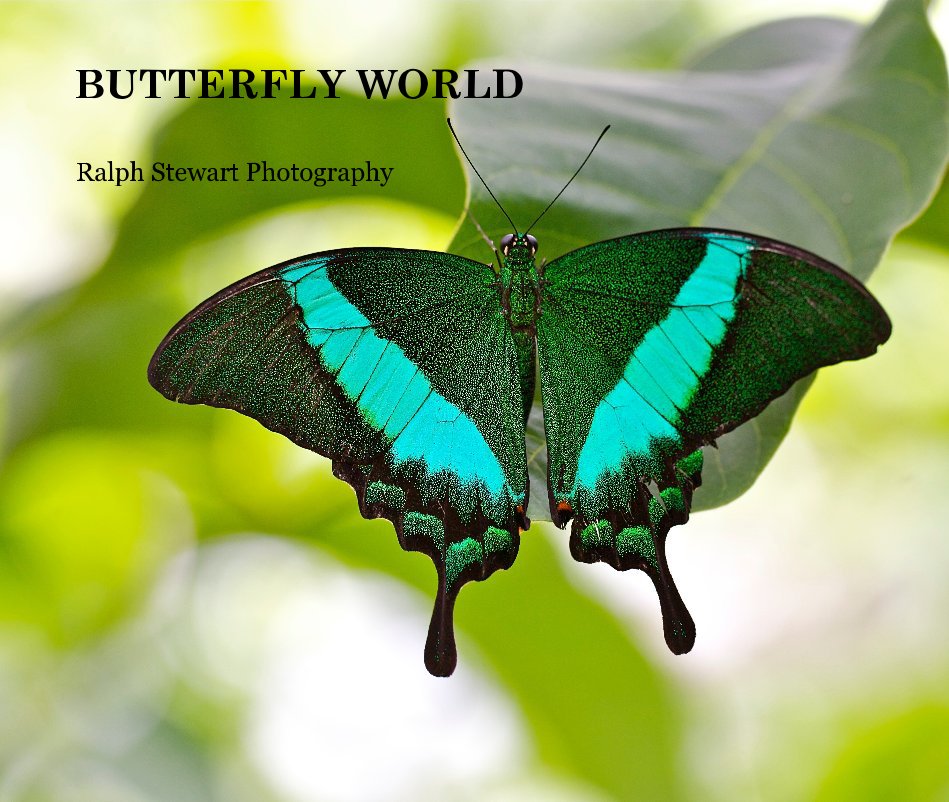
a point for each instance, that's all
(816, 132)
(915, 744)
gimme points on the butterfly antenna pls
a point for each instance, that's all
(450, 128)
(602, 134)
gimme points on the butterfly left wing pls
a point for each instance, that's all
(399, 366)
(653, 345)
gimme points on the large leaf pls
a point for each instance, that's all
(812, 131)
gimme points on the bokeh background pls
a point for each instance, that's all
(192, 609)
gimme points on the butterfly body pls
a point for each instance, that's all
(519, 285)
(415, 373)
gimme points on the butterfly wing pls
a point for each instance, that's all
(399, 366)
(653, 345)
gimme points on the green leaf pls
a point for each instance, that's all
(812, 131)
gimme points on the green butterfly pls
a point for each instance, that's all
(414, 372)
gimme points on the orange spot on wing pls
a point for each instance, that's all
(564, 506)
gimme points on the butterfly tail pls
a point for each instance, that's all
(441, 655)
(634, 536)
(677, 624)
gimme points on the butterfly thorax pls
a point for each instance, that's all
(520, 281)
(520, 299)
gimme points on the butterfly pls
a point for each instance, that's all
(414, 372)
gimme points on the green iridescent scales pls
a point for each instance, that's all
(414, 372)
(397, 365)
(663, 341)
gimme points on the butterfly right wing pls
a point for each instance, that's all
(400, 367)
(653, 345)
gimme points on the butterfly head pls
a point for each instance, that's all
(519, 247)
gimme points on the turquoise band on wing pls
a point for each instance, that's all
(390, 391)
(664, 370)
